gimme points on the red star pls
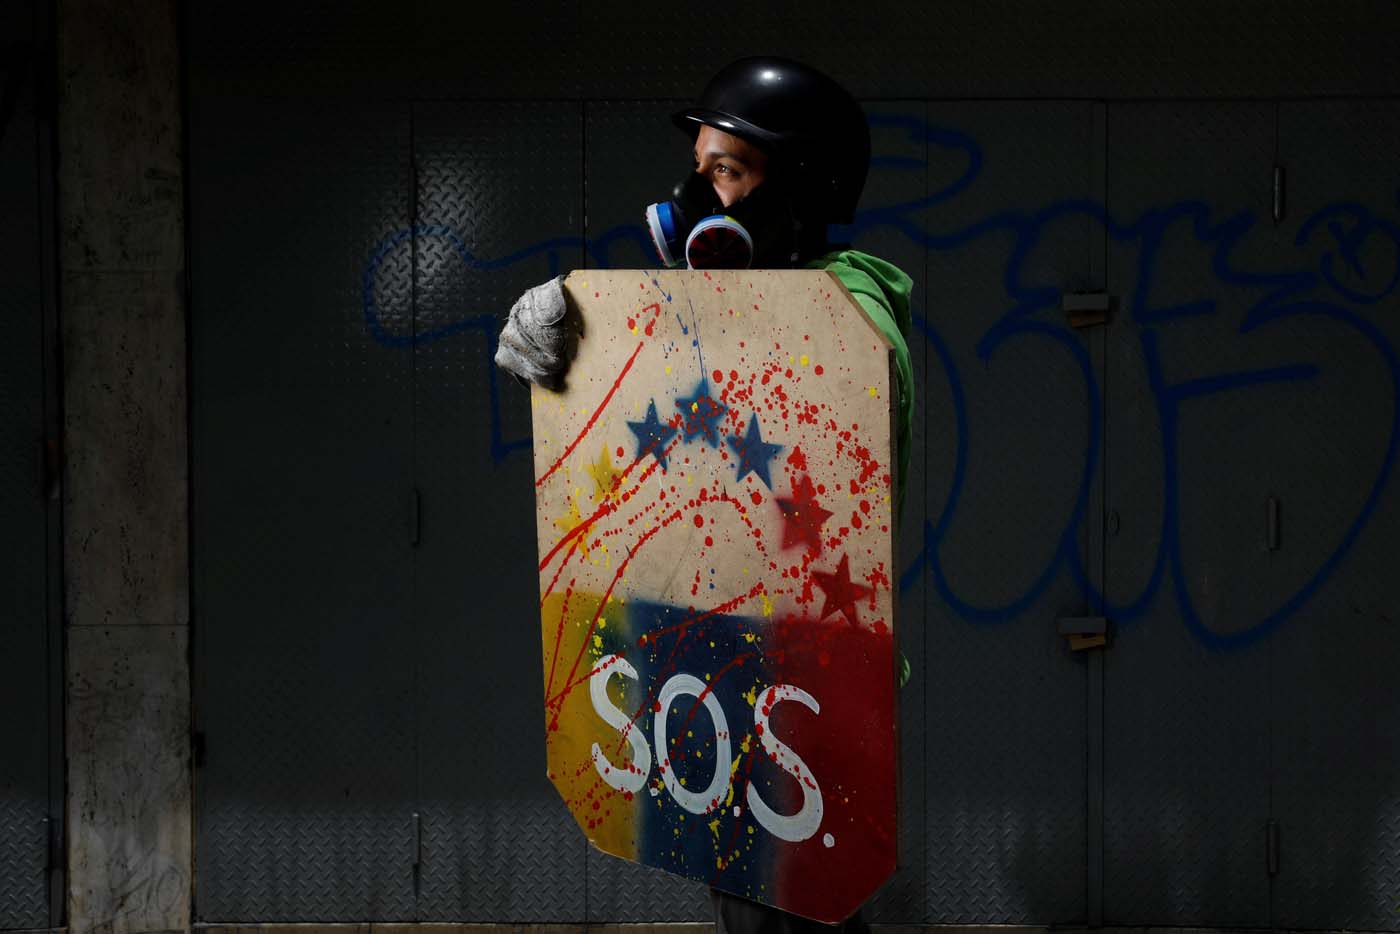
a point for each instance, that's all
(841, 592)
(802, 517)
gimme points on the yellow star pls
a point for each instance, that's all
(570, 521)
(604, 473)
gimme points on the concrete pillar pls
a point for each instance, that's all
(125, 502)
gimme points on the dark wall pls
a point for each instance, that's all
(30, 768)
(1210, 468)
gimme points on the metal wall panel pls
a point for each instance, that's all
(302, 600)
(499, 209)
(1010, 428)
(301, 441)
(24, 669)
(615, 49)
(1335, 593)
(1186, 695)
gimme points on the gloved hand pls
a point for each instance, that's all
(532, 342)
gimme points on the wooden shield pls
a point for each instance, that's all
(715, 500)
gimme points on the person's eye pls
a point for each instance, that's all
(726, 169)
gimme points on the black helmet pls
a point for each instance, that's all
(813, 129)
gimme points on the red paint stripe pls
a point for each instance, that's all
(714, 678)
(562, 565)
(724, 607)
(569, 683)
(608, 506)
(559, 635)
(666, 668)
(575, 532)
(741, 790)
(593, 418)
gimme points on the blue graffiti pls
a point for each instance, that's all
(1360, 266)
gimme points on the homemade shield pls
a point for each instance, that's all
(714, 502)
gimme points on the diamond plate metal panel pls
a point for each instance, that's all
(1010, 445)
(881, 48)
(519, 51)
(1006, 49)
(24, 688)
(1336, 703)
(499, 209)
(674, 59)
(621, 891)
(301, 451)
(1188, 442)
(346, 49)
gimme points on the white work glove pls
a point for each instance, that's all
(532, 343)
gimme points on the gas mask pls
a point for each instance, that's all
(694, 227)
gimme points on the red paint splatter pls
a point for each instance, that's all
(591, 419)
(556, 700)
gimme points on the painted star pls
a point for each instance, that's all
(604, 475)
(803, 516)
(570, 521)
(701, 413)
(841, 592)
(652, 435)
(754, 453)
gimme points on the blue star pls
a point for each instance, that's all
(754, 453)
(700, 413)
(652, 435)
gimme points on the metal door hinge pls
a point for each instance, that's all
(1271, 846)
(1279, 193)
(1083, 632)
(49, 848)
(1086, 309)
(417, 841)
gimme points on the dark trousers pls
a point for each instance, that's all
(735, 915)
